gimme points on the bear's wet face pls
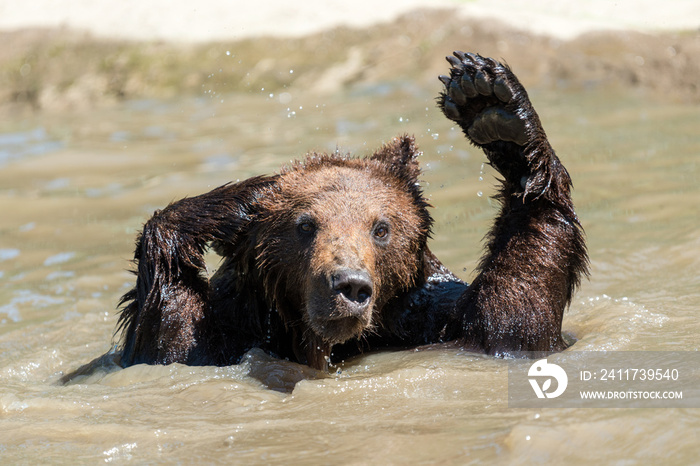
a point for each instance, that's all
(354, 236)
(345, 239)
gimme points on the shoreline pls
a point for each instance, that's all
(65, 70)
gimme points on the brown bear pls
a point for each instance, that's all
(330, 257)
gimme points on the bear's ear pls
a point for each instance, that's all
(401, 155)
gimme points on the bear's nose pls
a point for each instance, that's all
(354, 285)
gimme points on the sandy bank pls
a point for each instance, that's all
(220, 20)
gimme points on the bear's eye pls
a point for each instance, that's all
(307, 227)
(381, 231)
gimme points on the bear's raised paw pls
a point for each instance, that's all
(486, 99)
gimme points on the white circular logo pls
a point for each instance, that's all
(547, 371)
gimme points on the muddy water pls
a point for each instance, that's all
(75, 188)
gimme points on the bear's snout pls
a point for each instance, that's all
(354, 287)
(340, 303)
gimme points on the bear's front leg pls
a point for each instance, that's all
(167, 317)
(535, 254)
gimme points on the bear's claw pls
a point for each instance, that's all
(484, 97)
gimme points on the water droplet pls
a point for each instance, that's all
(479, 193)
(435, 136)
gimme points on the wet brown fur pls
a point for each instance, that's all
(330, 256)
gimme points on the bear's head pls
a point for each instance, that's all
(335, 238)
